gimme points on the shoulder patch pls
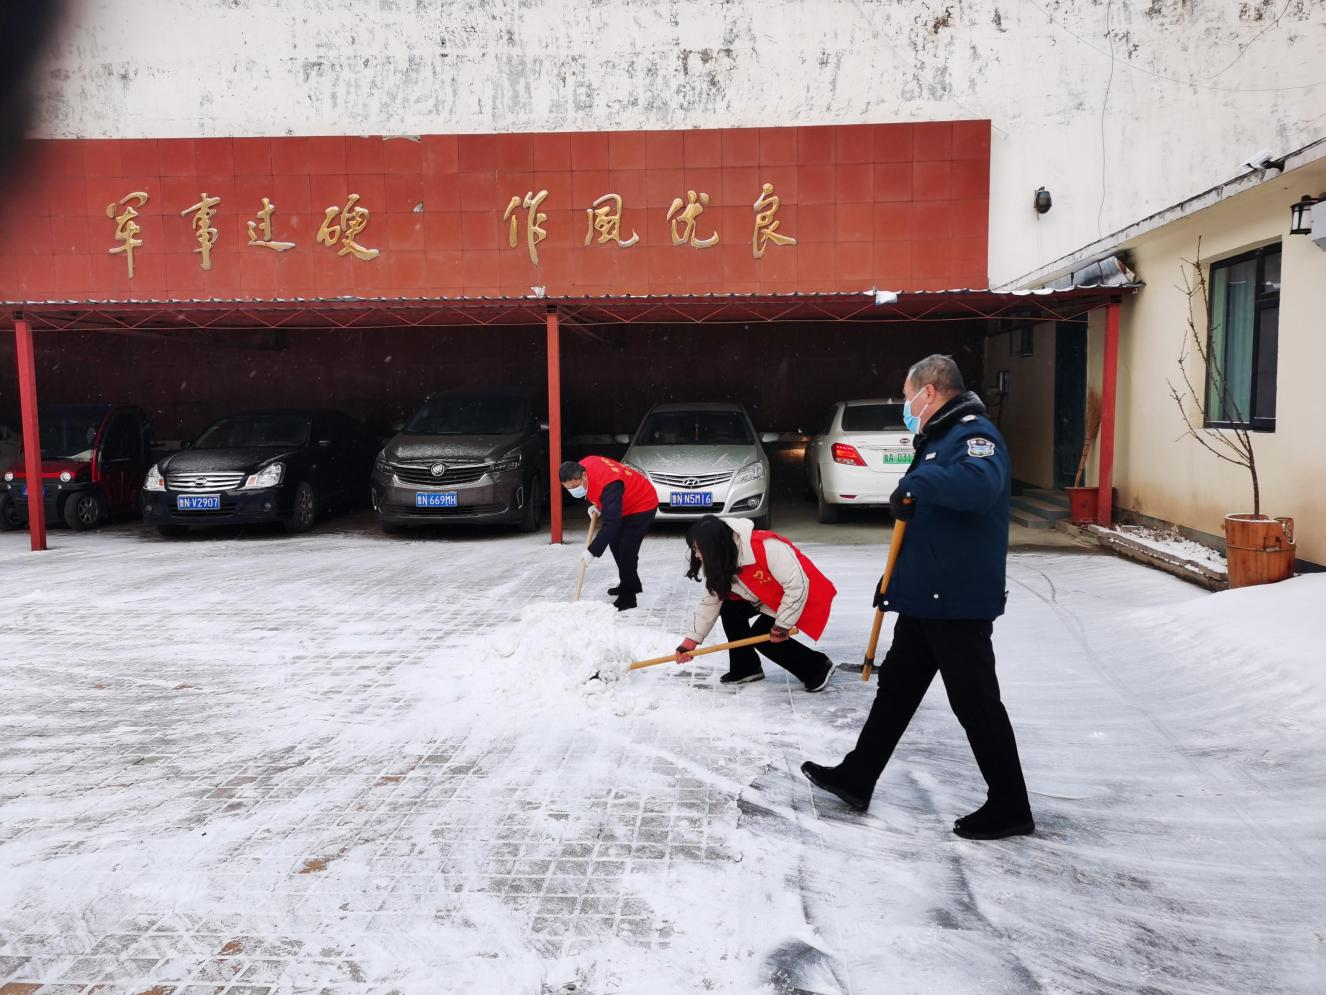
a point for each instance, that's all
(931, 455)
(980, 447)
(968, 418)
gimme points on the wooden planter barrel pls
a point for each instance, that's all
(1258, 549)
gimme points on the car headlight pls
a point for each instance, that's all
(381, 461)
(267, 477)
(511, 461)
(9, 476)
(65, 476)
(155, 481)
(749, 472)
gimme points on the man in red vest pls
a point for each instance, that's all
(752, 573)
(625, 503)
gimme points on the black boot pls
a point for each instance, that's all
(733, 677)
(995, 822)
(624, 602)
(830, 779)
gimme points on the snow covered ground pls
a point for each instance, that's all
(348, 763)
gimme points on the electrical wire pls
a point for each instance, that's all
(1105, 102)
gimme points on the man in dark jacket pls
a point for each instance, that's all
(947, 589)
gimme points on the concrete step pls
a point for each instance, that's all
(1050, 497)
(1029, 519)
(1037, 506)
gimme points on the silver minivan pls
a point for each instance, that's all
(703, 459)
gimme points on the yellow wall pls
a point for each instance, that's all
(1158, 470)
(1027, 418)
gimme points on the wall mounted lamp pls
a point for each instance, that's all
(1300, 215)
(1042, 201)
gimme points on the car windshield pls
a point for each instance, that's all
(873, 418)
(256, 432)
(695, 428)
(478, 414)
(68, 433)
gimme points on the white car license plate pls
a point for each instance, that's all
(198, 502)
(691, 499)
(446, 499)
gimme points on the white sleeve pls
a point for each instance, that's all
(706, 614)
(787, 570)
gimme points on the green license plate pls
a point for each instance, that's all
(893, 458)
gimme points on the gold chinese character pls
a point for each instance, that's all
(352, 221)
(534, 232)
(126, 228)
(264, 221)
(607, 221)
(694, 207)
(202, 225)
(766, 228)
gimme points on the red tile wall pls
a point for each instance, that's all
(895, 206)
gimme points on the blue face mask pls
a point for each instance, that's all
(912, 421)
(579, 492)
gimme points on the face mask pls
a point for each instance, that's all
(912, 421)
(579, 492)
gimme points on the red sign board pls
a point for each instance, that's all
(760, 210)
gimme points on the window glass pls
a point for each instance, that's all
(118, 443)
(695, 428)
(68, 432)
(873, 418)
(1244, 340)
(455, 414)
(1268, 348)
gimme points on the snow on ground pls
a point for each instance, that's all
(349, 763)
(1174, 545)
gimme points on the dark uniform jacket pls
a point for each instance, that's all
(951, 564)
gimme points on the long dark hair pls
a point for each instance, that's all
(718, 545)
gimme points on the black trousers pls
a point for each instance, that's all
(625, 546)
(960, 650)
(796, 658)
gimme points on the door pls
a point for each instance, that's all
(121, 462)
(1070, 399)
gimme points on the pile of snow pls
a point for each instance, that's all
(1174, 545)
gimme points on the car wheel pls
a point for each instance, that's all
(533, 507)
(8, 515)
(829, 513)
(168, 531)
(305, 510)
(84, 511)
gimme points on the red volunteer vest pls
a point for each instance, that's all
(760, 582)
(640, 495)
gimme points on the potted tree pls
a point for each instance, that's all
(1258, 549)
(1082, 501)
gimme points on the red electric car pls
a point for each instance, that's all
(94, 459)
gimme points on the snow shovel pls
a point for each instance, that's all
(589, 538)
(717, 647)
(895, 544)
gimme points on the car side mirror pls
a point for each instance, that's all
(398, 425)
(324, 443)
(770, 437)
(625, 440)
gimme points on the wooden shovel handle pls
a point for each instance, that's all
(718, 647)
(589, 537)
(895, 545)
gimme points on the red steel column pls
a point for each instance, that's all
(554, 424)
(27, 399)
(1108, 402)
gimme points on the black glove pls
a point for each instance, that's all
(877, 596)
(901, 506)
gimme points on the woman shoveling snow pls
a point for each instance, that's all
(750, 572)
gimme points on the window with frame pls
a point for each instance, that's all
(1244, 340)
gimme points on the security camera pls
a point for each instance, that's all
(1265, 159)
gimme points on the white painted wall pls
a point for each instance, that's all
(1191, 88)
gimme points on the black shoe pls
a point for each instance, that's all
(615, 591)
(818, 683)
(995, 823)
(624, 602)
(731, 677)
(827, 779)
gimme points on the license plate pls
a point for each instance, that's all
(23, 490)
(446, 499)
(691, 499)
(892, 459)
(198, 502)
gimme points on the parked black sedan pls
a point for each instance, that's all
(262, 466)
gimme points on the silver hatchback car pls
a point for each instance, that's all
(703, 459)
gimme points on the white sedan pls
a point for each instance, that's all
(857, 457)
